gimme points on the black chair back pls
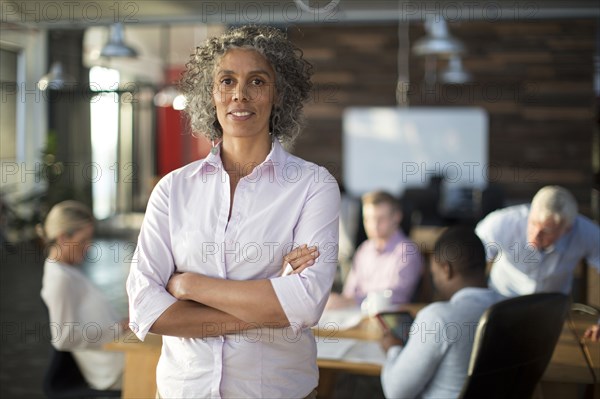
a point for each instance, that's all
(513, 345)
(63, 379)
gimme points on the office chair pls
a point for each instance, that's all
(513, 345)
(63, 380)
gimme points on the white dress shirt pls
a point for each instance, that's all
(435, 360)
(284, 202)
(520, 269)
(82, 321)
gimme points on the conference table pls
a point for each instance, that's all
(573, 369)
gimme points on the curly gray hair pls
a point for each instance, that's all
(292, 81)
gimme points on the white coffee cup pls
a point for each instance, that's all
(377, 302)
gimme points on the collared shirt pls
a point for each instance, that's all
(284, 202)
(81, 321)
(397, 267)
(519, 268)
(435, 360)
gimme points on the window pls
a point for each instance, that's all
(8, 104)
(104, 114)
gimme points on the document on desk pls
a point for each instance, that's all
(342, 319)
(350, 350)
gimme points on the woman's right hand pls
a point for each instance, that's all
(299, 259)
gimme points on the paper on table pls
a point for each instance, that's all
(366, 352)
(350, 350)
(335, 349)
(341, 318)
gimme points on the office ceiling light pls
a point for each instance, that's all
(116, 46)
(454, 72)
(166, 96)
(438, 40)
(55, 79)
(169, 96)
(179, 102)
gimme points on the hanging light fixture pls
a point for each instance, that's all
(438, 40)
(116, 46)
(439, 43)
(454, 72)
(55, 79)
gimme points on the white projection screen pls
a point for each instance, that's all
(394, 148)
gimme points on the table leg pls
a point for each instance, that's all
(326, 387)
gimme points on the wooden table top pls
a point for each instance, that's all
(574, 360)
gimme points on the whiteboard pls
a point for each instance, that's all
(394, 148)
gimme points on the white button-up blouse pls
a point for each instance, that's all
(283, 203)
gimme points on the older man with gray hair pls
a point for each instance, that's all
(536, 247)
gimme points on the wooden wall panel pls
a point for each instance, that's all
(534, 77)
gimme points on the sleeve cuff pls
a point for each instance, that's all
(145, 314)
(294, 300)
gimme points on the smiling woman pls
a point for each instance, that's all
(198, 84)
(243, 94)
(218, 253)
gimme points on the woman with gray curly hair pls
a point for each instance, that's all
(292, 81)
(218, 270)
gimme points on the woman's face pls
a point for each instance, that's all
(244, 93)
(73, 248)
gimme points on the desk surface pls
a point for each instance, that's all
(569, 362)
(572, 362)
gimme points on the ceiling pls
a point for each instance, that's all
(75, 14)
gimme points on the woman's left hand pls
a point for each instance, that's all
(299, 259)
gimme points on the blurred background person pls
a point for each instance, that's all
(536, 247)
(386, 261)
(429, 365)
(81, 317)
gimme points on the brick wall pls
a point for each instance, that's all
(535, 79)
(354, 66)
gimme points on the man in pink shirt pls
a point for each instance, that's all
(387, 260)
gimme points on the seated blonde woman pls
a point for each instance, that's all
(81, 318)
